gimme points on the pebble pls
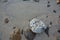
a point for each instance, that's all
(36, 0)
(48, 2)
(48, 5)
(54, 11)
(29, 35)
(50, 23)
(6, 20)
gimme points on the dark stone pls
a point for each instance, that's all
(59, 16)
(58, 31)
(54, 11)
(5, 1)
(58, 38)
(50, 23)
(25, 0)
(47, 31)
(22, 31)
(14, 27)
(29, 35)
(48, 5)
(46, 16)
(6, 20)
(48, 2)
(36, 0)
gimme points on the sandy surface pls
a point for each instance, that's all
(20, 12)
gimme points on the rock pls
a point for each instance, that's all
(36, 0)
(54, 11)
(48, 2)
(22, 31)
(6, 20)
(15, 35)
(48, 5)
(47, 31)
(25, 0)
(29, 35)
(50, 23)
(46, 16)
(58, 31)
(58, 1)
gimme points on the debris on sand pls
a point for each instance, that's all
(6, 20)
(29, 35)
(36, 0)
(47, 31)
(15, 35)
(48, 5)
(58, 1)
(54, 11)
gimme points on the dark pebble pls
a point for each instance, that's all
(29, 35)
(54, 11)
(50, 23)
(22, 31)
(48, 2)
(36, 0)
(6, 20)
(59, 16)
(46, 16)
(48, 5)
(14, 27)
(25, 0)
(58, 31)
(5, 1)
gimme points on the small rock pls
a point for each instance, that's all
(15, 34)
(54, 11)
(46, 16)
(25, 0)
(59, 16)
(22, 31)
(5, 1)
(14, 27)
(48, 2)
(47, 31)
(58, 1)
(48, 5)
(6, 20)
(29, 35)
(36, 0)
(50, 23)
(59, 31)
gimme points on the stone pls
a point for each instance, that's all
(6, 20)
(48, 2)
(29, 35)
(58, 1)
(48, 5)
(15, 34)
(36, 0)
(54, 11)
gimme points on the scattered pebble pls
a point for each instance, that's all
(6, 20)
(36, 0)
(29, 35)
(25, 0)
(46, 16)
(59, 16)
(14, 27)
(58, 1)
(50, 23)
(48, 2)
(58, 31)
(54, 11)
(48, 5)
(22, 31)
(5, 1)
